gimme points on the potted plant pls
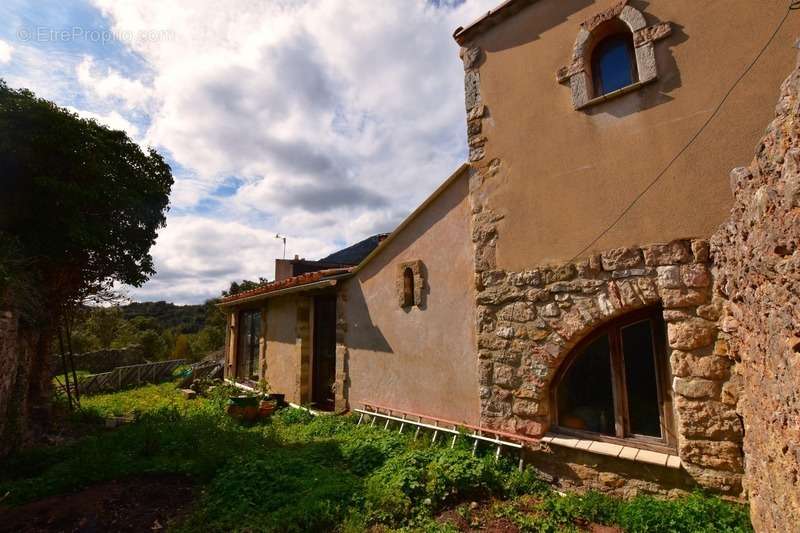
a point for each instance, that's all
(243, 406)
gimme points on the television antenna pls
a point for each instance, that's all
(283, 238)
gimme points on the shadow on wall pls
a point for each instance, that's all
(656, 93)
(363, 334)
(567, 469)
(519, 30)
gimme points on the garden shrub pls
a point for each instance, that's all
(394, 491)
(454, 474)
(283, 490)
(518, 482)
(696, 512)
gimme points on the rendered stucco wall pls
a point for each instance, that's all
(562, 175)
(419, 358)
(283, 365)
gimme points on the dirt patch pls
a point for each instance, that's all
(484, 517)
(140, 504)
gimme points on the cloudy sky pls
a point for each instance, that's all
(324, 120)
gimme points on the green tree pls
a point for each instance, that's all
(108, 327)
(242, 286)
(182, 348)
(80, 205)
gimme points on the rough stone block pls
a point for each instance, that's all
(525, 408)
(676, 298)
(690, 334)
(696, 387)
(666, 254)
(669, 277)
(621, 258)
(687, 364)
(696, 275)
(707, 419)
(722, 455)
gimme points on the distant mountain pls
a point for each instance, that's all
(187, 318)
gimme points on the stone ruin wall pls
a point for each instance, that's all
(527, 322)
(759, 271)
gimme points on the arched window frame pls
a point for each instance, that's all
(623, 436)
(418, 284)
(408, 287)
(577, 74)
(601, 48)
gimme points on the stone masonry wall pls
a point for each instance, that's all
(527, 323)
(759, 271)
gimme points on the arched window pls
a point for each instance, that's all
(614, 63)
(408, 287)
(615, 383)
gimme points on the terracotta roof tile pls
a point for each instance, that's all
(294, 281)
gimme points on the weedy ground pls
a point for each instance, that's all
(297, 472)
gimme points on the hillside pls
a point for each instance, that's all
(185, 318)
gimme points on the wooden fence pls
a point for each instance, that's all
(123, 377)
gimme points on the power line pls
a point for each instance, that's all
(795, 5)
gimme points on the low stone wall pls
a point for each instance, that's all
(759, 267)
(103, 360)
(528, 322)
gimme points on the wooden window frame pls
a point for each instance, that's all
(239, 332)
(668, 440)
(626, 37)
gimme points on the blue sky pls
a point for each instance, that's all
(319, 120)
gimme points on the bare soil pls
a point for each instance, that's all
(482, 518)
(139, 504)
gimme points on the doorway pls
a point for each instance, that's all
(323, 372)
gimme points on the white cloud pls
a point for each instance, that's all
(338, 120)
(112, 85)
(5, 52)
(112, 119)
(197, 257)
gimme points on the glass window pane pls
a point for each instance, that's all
(585, 397)
(613, 64)
(640, 379)
(254, 326)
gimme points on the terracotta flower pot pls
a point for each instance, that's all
(266, 408)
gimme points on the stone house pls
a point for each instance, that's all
(559, 285)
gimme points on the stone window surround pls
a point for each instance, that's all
(576, 75)
(665, 443)
(529, 321)
(419, 283)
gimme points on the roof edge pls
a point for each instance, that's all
(491, 18)
(414, 214)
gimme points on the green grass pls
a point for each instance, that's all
(302, 473)
(58, 379)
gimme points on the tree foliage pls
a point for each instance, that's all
(82, 201)
(242, 286)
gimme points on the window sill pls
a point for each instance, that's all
(615, 94)
(628, 453)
